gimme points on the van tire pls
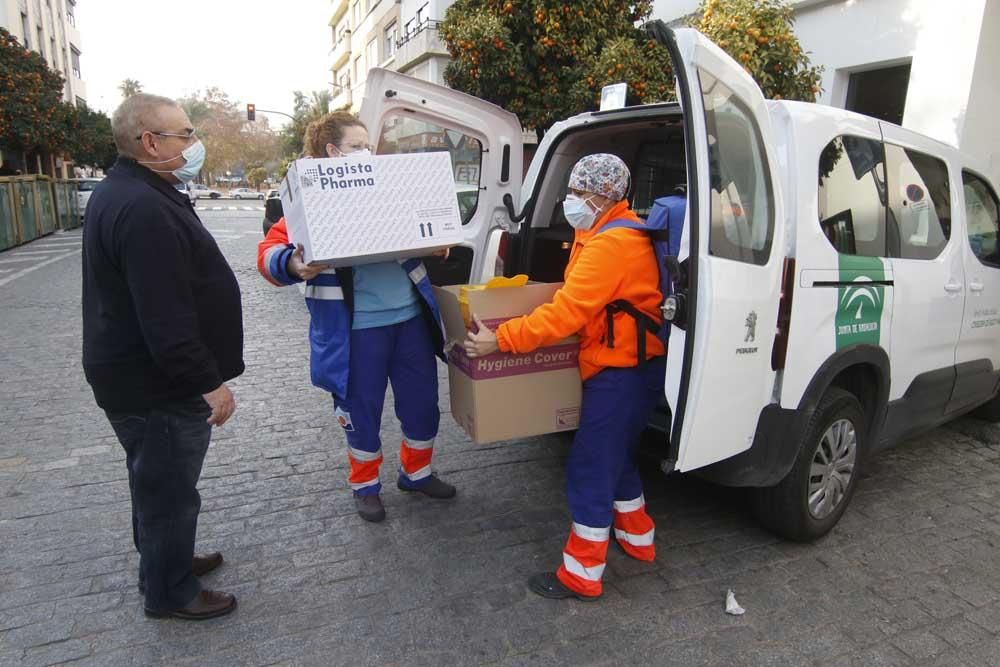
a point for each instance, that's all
(784, 508)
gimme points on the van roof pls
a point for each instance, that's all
(810, 110)
(632, 113)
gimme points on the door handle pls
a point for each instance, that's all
(975, 286)
(953, 287)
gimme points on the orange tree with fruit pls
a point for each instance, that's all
(32, 112)
(545, 60)
(758, 34)
(33, 115)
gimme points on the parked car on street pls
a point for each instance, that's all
(246, 193)
(886, 239)
(272, 193)
(84, 186)
(202, 191)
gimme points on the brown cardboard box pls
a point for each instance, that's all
(504, 396)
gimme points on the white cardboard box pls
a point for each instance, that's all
(359, 210)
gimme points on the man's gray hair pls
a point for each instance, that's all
(133, 117)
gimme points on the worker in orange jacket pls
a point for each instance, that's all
(610, 299)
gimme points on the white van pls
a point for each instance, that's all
(839, 282)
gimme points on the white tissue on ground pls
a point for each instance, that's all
(732, 606)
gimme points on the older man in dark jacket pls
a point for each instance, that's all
(162, 333)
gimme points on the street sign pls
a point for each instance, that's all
(613, 96)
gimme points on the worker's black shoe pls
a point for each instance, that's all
(547, 585)
(429, 486)
(370, 507)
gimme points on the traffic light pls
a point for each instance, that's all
(251, 112)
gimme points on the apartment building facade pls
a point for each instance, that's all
(395, 34)
(49, 27)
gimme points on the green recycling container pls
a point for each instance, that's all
(47, 221)
(26, 205)
(9, 236)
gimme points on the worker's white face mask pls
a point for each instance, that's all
(578, 212)
(363, 152)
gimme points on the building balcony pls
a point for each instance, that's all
(79, 89)
(418, 44)
(339, 8)
(342, 99)
(341, 51)
(73, 36)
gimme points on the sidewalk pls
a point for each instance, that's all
(910, 576)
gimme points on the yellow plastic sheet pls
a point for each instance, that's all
(495, 283)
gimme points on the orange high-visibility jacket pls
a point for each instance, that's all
(618, 264)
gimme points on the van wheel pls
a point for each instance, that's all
(989, 411)
(810, 500)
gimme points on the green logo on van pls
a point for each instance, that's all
(860, 305)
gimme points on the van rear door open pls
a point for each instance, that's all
(407, 115)
(719, 374)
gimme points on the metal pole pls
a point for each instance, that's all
(280, 113)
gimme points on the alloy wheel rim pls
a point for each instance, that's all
(832, 468)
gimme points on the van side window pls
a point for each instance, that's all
(852, 196)
(919, 204)
(742, 199)
(982, 214)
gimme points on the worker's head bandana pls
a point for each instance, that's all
(602, 174)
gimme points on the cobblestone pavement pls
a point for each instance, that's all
(910, 575)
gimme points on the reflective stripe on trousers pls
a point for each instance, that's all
(364, 467)
(634, 529)
(415, 458)
(584, 559)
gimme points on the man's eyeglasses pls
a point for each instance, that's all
(189, 133)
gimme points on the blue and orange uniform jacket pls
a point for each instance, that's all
(330, 299)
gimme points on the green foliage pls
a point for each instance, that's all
(306, 110)
(32, 112)
(758, 34)
(546, 60)
(89, 140)
(230, 141)
(256, 176)
(644, 65)
(283, 167)
(129, 87)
